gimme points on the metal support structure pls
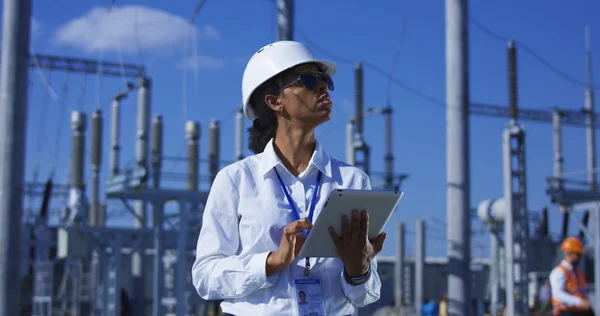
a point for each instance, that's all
(115, 136)
(596, 256)
(558, 156)
(570, 117)
(192, 134)
(389, 150)
(213, 149)
(182, 269)
(78, 210)
(359, 145)
(285, 20)
(78, 123)
(157, 216)
(358, 90)
(239, 134)
(457, 163)
(589, 111)
(516, 229)
(43, 288)
(78, 65)
(141, 153)
(127, 189)
(399, 265)
(350, 142)
(96, 161)
(157, 150)
(419, 265)
(494, 269)
(95, 217)
(159, 267)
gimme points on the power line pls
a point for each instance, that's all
(428, 97)
(397, 53)
(527, 49)
(382, 72)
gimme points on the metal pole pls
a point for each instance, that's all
(596, 217)
(285, 20)
(494, 271)
(13, 131)
(358, 80)
(78, 151)
(589, 107)
(142, 151)
(350, 142)
(182, 269)
(508, 225)
(512, 80)
(457, 163)
(239, 134)
(389, 151)
(419, 265)
(96, 160)
(159, 276)
(558, 158)
(399, 266)
(192, 131)
(157, 150)
(213, 149)
(114, 135)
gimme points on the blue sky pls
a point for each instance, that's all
(203, 83)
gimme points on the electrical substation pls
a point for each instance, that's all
(72, 262)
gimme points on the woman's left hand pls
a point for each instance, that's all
(353, 246)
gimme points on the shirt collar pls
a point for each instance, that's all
(320, 159)
(567, 265)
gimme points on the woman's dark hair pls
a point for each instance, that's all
(263, 128)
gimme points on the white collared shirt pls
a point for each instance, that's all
(558, 280)
(243, 221)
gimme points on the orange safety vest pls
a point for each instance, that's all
(575, 285)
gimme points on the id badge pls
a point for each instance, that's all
(309, 297)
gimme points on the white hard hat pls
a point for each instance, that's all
(270, 61)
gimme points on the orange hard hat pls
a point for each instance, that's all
(573, 245)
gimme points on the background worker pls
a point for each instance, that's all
(568, 284)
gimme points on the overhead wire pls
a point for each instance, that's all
(378, 70)
(428, 97)
(59, 129)
(397, 53)
(529, 50)
(192, 36)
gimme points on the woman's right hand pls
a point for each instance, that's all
(289, 246)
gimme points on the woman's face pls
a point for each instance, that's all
(301, 105)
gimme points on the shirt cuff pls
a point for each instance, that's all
(258, 267)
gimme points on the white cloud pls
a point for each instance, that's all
(202, 62)
(211, 32)
(129, 28)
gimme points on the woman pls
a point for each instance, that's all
(259, 207)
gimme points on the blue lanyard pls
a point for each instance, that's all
(291, 202)
(311, 211)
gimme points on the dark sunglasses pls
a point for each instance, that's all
(310, 80)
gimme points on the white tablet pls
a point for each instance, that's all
(379, 204)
